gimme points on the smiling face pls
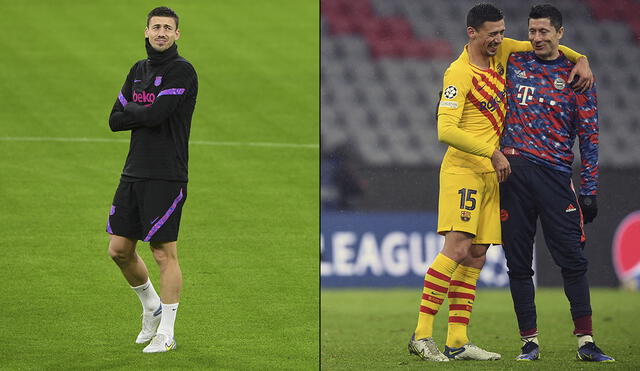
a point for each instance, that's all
(161, 32)
(487, 38)
(544, 38)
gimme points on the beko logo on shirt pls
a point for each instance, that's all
(144, 97)
(492, 103)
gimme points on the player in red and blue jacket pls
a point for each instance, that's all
(544, 116)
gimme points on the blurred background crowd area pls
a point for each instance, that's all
(382, 63)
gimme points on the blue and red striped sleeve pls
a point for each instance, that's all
(587, 130)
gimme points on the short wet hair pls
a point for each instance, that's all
(547, 11)
(481, 13)
(162, 11)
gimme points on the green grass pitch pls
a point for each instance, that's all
(248, 242)
(369, 330)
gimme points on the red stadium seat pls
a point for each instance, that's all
(602, 10)
(630, 12)
(617, 10)
(386, 36)
(385, 48)
(635, 29)
(415, 49)
(341, 24)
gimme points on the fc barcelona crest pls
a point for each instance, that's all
(465, 216)
(158, 81)
(500, 69)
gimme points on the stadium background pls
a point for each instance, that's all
(381, 69)
(248, 242)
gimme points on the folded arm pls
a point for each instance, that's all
(127, 115)
(118, 119)
(178, 83)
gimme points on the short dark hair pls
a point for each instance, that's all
(481, 13)
(162, 11)
(547, 11)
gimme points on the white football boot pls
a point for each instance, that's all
(426, 349)
(470, 352)
(160, 343)
(150, 323)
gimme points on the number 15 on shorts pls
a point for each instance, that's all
(467, 201)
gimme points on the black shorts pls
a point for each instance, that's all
(147, 210)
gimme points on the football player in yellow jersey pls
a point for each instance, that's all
(470, 121)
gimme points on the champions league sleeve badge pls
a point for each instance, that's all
(450, 92)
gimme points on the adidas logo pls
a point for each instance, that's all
(521, 74)
(570, 208)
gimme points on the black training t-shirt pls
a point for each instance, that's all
(156, 103)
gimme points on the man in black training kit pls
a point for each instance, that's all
(156, 103)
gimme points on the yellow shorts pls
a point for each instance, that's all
(470, 203)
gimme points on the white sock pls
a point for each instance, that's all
(583, 339)
(148, 297)
(168, 319)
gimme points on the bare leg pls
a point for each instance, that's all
(476, 257)
(166, 255)
(457, 245)
(123, 252)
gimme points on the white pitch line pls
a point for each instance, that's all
(60, 139)
(254, 144)
(197, 142)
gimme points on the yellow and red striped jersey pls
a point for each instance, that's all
(472, 109)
